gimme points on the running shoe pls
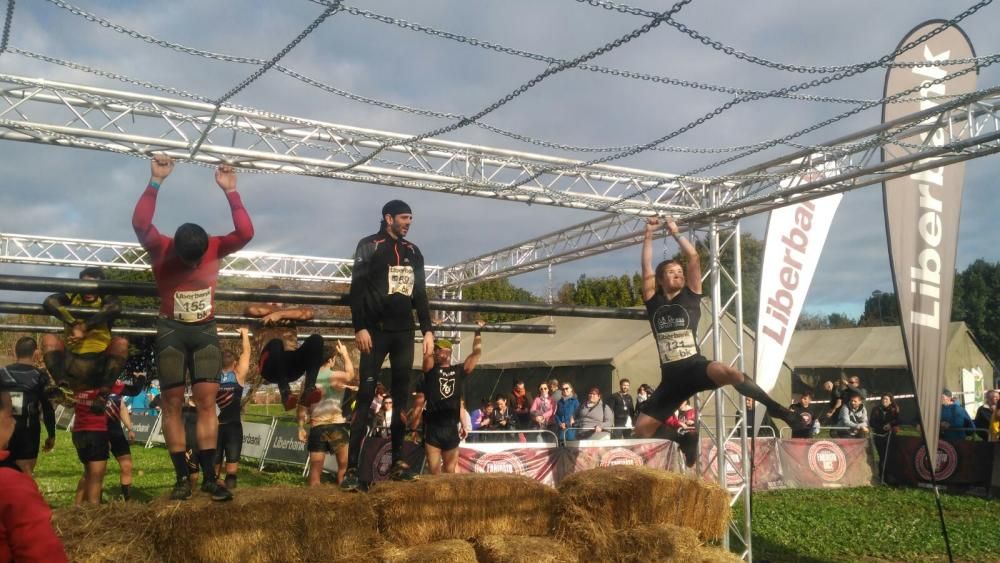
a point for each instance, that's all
(401, 471)
(230, 483)
(60, 394)
(181, 490)
(289, 400)
(218, 492)
(350, 482)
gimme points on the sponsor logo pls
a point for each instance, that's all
(383, 463)
(947, 462)
(827, 460)
(734, 460)
(500, 462)
(252, 440)
(621, 456)
(287, 444)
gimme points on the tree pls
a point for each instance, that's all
(751, 261)
(499, 290)
(611, 291)
(977, 300)
(881, 309)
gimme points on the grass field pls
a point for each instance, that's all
(809, 525)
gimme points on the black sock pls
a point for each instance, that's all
(749, 388)
(206, 459)
(230, 482)
(126, 491)
(180, 465)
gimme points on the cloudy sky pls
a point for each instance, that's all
(86, 194)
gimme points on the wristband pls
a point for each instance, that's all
(154, 185)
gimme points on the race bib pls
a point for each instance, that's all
(401, 280)
(675, 345)
(17, 401)
(193, 306)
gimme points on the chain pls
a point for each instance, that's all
(333, 7)
(719, 46)
(741, 99)
(7, 21)
(592, 68)
(534, 81)
(384, 104)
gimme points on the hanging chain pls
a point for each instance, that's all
(7, 21)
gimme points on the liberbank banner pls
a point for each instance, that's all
(795, 238)
(922, 214)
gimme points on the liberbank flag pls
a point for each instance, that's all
(795, 238)
(921, 216)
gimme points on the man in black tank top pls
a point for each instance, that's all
(26, 385)
(673, 301)
(229, 400)
(442, 385)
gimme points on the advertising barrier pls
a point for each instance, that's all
(962, 463)
(255, 439)
(376, 458)
(283, 446)
(808, 463)
(64, 417)
(766, 464)
(142, 426)
(538, 461)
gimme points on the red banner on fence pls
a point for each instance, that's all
(539, 462)
(766, 468)
(659, 454)
(376, 458)
(826, 463)
(958, 462)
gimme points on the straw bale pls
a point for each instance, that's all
(524, 549)
(709, 554)
(662, 542)
(597, 502)
(265, 524)
(113, 532)
(462, 506)
(451, 551)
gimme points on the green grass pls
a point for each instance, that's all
(59, 471)
(872, 524)
(809, 525)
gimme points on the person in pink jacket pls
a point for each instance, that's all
(543, 408)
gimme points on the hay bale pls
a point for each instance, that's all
(462, 506)
(708, 554)
(264, 525)
(114, 532)
(661, 542)
(523, 549)
(452, 551)
(597, 503)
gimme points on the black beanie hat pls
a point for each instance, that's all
(395, 207)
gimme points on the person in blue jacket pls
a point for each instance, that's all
(954, 418)
(566, 411)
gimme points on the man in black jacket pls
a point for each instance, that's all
(623, 408)
(387, 284)
(26, 385)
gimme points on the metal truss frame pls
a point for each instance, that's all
(61, 251)
(74, 115)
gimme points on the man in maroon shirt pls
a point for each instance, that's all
(26, 532)
(186, 268)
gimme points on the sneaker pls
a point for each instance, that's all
(230, 482)
(289, 400)
(310, 397)
(218, 492)
(401, 471)
(181, 490)
(60, 394)
(350, 482)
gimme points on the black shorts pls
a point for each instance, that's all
(230, 444)
(24, 441)
(117, 439)
(678, 383)
(328, 438)
(91, 445)
(182, 347)
(86, 371)
(441, 430)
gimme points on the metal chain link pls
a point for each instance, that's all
(7, 21)
(534, 81)
(741, 99)
(399, 107)
(333, 7)
(732, 51)
(593, 68)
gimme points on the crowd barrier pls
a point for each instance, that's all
(777, 463)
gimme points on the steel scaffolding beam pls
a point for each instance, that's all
(74, 115)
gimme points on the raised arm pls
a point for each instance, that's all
(343, 378)
(273, 315)
(477, 350)
(55, 305)
(142, 218)
(693, 261)
(225, 177)
(648, 273)
(243, 364)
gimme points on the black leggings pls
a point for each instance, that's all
(281, 367)
(398, 345)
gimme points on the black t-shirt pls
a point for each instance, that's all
(804, 424)
(228, 400)
(675, 325)
(442, 388)
(26, 385)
